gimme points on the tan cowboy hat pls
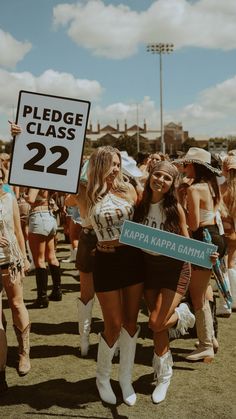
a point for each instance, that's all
(200, 156)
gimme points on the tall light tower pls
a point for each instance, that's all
(160, 49)
(138, 142)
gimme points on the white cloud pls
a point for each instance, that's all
(11, 50)
(117, 31)
(212, 114)
(130, 112)
(214, 111)
(50, 82)
(110, 31)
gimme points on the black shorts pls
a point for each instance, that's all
(121, 269)
(216, 238)
(85, 254)
(5, 266)
(165, 272)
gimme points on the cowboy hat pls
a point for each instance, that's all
(199, 156)
(129, 166)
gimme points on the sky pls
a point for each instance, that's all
(96, 50)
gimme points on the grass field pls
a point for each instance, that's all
(61, 384)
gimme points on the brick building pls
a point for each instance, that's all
(174, 135)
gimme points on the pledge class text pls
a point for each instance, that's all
(52, 115)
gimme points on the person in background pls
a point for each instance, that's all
(13, 264)
(42, 232)
(166, 279)
(84, 263)
(228, 214)
(203, 199)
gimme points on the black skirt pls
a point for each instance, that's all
(163, 272)
(216, 238)
(120, 269)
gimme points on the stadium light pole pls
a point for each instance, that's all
(138, 142)
(160, 49)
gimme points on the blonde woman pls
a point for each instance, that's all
(117, 273)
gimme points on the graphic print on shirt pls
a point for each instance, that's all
(155, 217)
(109, 215)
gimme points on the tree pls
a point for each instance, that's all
(190, 142)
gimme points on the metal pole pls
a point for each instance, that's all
(160, 49)
(161, 108)
(138, 145)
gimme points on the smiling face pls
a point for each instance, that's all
(160, 181)
(115, 169)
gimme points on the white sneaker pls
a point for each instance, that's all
(72, 257)
(186, 318)
(31, 267)
(223, 311)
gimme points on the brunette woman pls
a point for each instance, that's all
(203, 199)
(166, 279)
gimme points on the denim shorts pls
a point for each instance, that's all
(42, 222)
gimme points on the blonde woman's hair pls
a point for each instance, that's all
(99, 168)
(230, 194)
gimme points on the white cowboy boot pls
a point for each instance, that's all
(84, 323)
(127, 346)
(104, 364)
(205, 333)
(162, 366)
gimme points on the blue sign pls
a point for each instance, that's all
(168, 244)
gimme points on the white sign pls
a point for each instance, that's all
(48, 152)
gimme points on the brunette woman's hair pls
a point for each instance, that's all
(169, 206)
(203, 174)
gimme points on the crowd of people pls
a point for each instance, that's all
(192, 196)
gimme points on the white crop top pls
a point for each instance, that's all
(155, 218)
(108, 216)
(206, 215)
